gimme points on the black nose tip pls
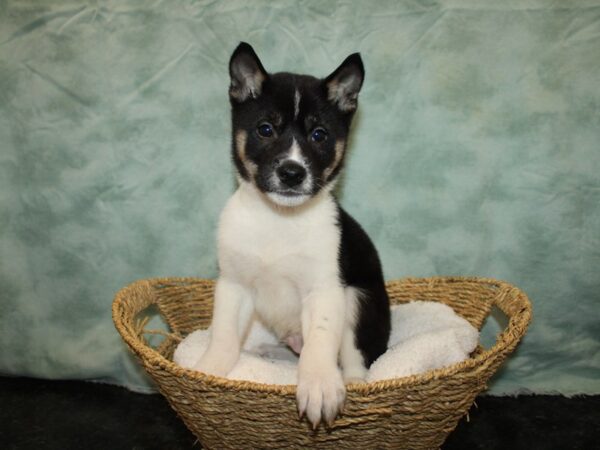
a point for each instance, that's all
(291, 174)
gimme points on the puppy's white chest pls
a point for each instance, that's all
(257, 242)
(278, 257)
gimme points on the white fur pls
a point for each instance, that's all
(288, 200)
(282, 263)
(296, 104)
(351, 359)
(294, 154)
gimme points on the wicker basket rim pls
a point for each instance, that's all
(514, 332)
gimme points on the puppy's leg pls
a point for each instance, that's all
(351, 359)
(232, 312)
(321, 391)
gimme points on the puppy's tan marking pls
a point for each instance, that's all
(340, 145)
(240, 145)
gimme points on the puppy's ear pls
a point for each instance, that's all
(246, 72)
(345, 82)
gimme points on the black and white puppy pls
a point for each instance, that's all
(287, 251)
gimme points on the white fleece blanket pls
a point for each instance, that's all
(425, 336)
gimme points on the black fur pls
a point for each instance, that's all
(361, 268)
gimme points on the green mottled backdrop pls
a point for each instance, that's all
(476, 151)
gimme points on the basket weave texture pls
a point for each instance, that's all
(416, 412)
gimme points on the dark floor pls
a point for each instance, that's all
(77, 415)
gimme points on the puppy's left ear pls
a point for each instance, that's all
(345, 82)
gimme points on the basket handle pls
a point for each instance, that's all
(140, 326)
(128, 303)
(512, 301)
(515, 304)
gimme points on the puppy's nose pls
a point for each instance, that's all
(291, 174)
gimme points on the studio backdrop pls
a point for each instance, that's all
(475, 151)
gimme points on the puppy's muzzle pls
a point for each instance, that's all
(291, 174)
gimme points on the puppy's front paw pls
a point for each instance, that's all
(216, 363)
(320, 393)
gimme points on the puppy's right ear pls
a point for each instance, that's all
(246, 72)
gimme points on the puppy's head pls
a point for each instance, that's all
(289, 130)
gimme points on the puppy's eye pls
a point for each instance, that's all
(318, 135)
(265, 130)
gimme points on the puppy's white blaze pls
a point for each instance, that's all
(295, 153)
(296, 104)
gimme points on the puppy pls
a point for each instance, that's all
(287, 250)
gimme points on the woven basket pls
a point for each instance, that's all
(415, 412)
